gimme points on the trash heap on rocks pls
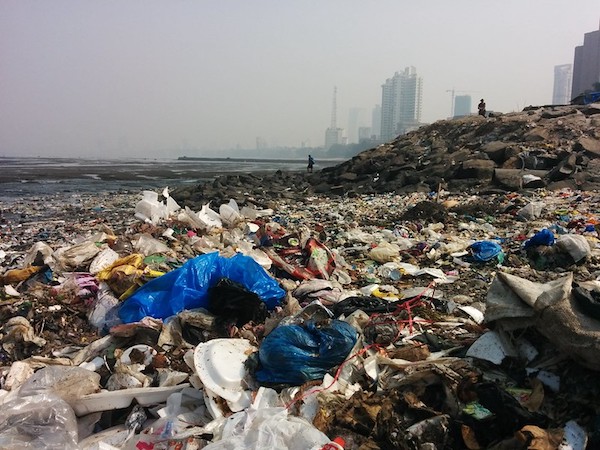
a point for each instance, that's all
(550, 146)
(418, 321)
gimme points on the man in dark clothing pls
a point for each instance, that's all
(481, 108)
(311, 163)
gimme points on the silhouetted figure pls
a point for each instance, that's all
(481, 108)
(311, 163)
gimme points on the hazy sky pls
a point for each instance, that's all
(158, 78)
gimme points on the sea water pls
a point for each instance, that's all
(36, 177)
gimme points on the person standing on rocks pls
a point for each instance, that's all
(311, 163)
(481, 108)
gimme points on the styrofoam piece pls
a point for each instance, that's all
(473, 313)
(94, 364)
(526, 350)
(493, 347)
(108, 400)
(242, 403)
(266, 398)
(220, 365)
(551, 380)
(11, 291)
(575, 437)
(210, 400)
(146, 350)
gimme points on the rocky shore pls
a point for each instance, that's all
(553, 147)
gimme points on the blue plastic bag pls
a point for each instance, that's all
(295, 354)
(543, 237)
(483, 251)
(187, 287)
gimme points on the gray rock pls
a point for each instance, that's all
(589, 145)
(477, 168)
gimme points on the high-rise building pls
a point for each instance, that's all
(586, 64)
(376, 122)
(462, 105)
(356, 119)
(364, 133)
(563, 79)
(401, 98)
(333, 134)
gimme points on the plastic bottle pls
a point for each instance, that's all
(337, 444)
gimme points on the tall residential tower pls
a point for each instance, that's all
(586, 65)
(401, 98)
(462, 105)
(563, 79)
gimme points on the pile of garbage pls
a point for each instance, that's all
(417, 321)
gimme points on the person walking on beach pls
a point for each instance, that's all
(481, 108)
(311, 163)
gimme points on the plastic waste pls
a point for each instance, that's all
(108, 400)
(575, 245)
(104, 312)
(231, 302)
(543, 237)
(337, 444)
(147, 245)
(320, 260)
(531, 211)
(76, 256)
(390, 270)
(384, 252)
(67, 382)
(268, 428)
(294, 354)
(188, 286)
(103, 260)
(17, 275)
(483, 251)
(39, 254)
(38, 422)
(220, 364)
(150, 209)
(19, 372)
(18, 329)
(209, 218)
(230, 212)
(492, 346)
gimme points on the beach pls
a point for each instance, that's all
(373, 250)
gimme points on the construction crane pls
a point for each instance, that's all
(454, 92)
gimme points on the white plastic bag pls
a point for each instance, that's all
(268, 428)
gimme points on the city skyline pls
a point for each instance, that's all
(145, 78)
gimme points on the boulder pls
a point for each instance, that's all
(537, 135)
(515, 179)
(482, 169)
(589, 145)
